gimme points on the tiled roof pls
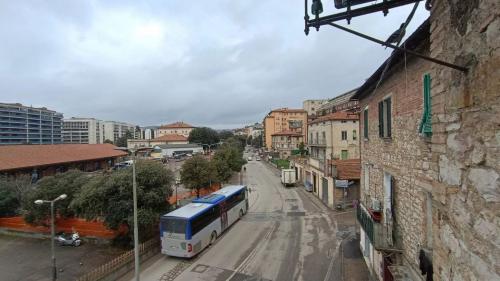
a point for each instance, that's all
(287, 133)
(176, 125)
(349, 169)
(14, 157)
(299, 110)
(339, 115)
(170, 137)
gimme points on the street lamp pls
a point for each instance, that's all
(52, 230)
(136, 229)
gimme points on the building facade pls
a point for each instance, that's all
(342, 102)
(284, 119)
(21, 124)
(165, 139)
(312, 106)
(465, 140)
(114, 130)
(83, 130)
(286, 142)
(177, 128)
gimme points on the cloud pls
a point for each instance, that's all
(217, 63)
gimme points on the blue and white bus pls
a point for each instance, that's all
(188, 230)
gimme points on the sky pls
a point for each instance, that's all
(222, 64)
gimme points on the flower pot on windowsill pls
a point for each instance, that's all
(376, 215)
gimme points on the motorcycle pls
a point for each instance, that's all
(69, 240)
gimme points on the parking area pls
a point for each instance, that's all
(30, 259)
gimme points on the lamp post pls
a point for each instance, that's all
(52, 230)
(136, 228)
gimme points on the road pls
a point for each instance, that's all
(287, 234)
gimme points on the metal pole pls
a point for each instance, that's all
(176, 195)
(136, 230)
(52, 235)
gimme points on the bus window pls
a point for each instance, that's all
(173, 225)
(204, 219)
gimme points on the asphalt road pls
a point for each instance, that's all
(286, 235)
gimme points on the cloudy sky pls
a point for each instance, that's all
(215, 63)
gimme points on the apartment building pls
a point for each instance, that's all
(177, 128)
(312, 106)
(284, 119)
(395, 210)
(343, 102)
(83, 130)
(21, 124)
(285, 142)
(114, 130)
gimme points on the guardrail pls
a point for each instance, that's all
(120, 262)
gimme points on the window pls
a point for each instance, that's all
(344, 135)
(365, 123)
(344, 154)
(425, 127)
(343, 121)
(354, 135)
(204, 219)
(384, 118)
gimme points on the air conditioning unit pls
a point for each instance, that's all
(376, 205)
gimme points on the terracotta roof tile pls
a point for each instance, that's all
(13, 157)
(349, 169)
(176, 125)
(339, 115)
(170, 137)
(287, 110)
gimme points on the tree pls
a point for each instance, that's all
(122, 141)
(203, 135)
(257, 141)
(302, 149)
(196, 173)
(49, 188)
(249, 140)
(225, 134)
(109, 197)
(108, 141)
(12, 192)
(228, 159)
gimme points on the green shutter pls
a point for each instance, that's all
(389, 122)
(365, 125)
(381, 119)
(426, 125)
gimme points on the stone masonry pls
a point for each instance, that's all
(406, 156)
(466, 138)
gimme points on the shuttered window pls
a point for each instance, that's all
(425, 127)
(365, 123)
(384, 118)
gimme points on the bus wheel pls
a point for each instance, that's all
(241, 213)
(213, 237)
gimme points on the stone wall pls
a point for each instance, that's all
(466, 137)
(406, 155)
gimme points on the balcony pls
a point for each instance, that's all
(317, 142)
(317, 163)
(379, 232)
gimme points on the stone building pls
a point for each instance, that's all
(285, 142)
(177, 128)
(284, 119)
(395, 211)
(465, 158)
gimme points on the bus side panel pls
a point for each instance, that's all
(202, 239)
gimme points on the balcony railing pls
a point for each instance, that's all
(317, 142)
(317, 163)
(379, 233)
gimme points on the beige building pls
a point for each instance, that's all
(165, 139)
(284, 119)
(177, 128)
(114, 130)
(83, 130)
(285, 142)
(312, 106)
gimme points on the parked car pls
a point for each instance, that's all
(258, 158)
(249, 158)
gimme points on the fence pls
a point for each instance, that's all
(119, 264)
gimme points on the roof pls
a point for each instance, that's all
(349, 169)
(15, 157)
(288, 110)
(189, 210)
(176, 125)
(210, 199)
(171, 137)
(421, 34)
(229, 190)
(287, 133)
(187, 145)
(336, 116)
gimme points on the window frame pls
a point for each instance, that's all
(385, 118)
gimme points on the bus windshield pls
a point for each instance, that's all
(173, 225)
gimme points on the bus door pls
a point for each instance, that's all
(223, 215)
